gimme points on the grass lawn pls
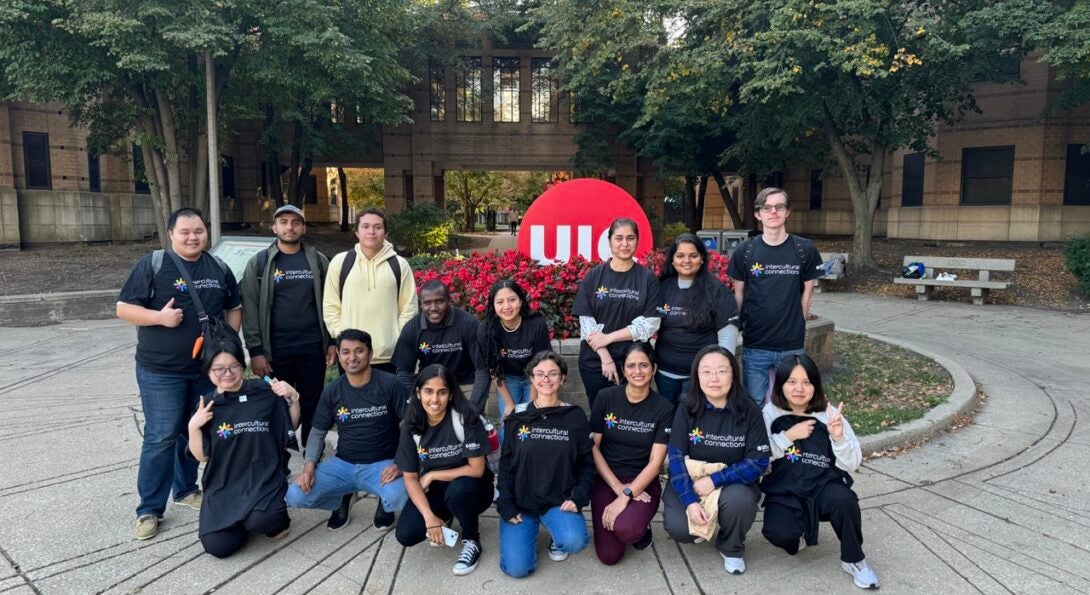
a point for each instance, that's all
(882, 385)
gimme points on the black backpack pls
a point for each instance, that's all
(749, 245)
(350, 261)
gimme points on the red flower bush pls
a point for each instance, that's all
(551, 288)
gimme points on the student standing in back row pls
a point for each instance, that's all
(370, 288)
(773, 282)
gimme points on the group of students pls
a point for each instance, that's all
(418, 441)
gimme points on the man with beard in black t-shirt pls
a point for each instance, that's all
(282, 312)
(156, 298)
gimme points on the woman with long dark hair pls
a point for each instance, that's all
(814, 452)
(442, 453)
(509, 336)
(631, 426)
(697, 310)
(242, 433)
(616, 306)
(718, 450)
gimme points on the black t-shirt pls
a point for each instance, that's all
(170, 350)
(518, 346)
(629, 430)
(807, 465)
(615, 300)
(677, 343)
(246, 443)
(439, 446)
(774, 277)
(452, 343)
(719, 436)
(367, 417)
(295, 328)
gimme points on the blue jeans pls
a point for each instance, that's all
(518, 543)
(168, 401)
(759, 369)
(336, 477)
(520, 393)
(672, 389)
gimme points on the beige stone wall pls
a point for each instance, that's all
(47, 216)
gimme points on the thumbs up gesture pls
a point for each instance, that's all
(836, 422)
(170, 316)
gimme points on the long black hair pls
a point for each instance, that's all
(738, 403)
(700, 300)
(494, 329)
(416, 419)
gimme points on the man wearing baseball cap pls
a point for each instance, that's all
(282, 312)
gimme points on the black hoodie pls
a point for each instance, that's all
(546, 459)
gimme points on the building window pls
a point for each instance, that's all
(468, 90)
(986, 175)
(912, 181)
(1077, 176)
(437, 93)
(227, 176)
(36, 161)
(816, 190)
(544, 85)
(139, 173)
(505, 91)
(94, 172)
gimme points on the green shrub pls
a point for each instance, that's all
(420, 262)
(1077, 255)
(421, 229)
(672, 231)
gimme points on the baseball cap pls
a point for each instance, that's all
(290, 209)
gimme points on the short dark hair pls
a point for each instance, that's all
(546, 355)
(624, 222)
(783, 371)
(370, 211)
(352, 334)
(172, 219)
(435, 285)
(225, 345)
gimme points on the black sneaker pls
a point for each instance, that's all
(645, 541)
(383, 519)
(467, 560)
(341, 517)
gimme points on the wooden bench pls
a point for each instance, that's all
(978, 287)
(825, 256)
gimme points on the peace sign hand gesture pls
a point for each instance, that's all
(836, 422)
(202, 416)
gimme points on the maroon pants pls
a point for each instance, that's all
(630, 525)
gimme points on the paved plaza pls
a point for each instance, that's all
(1000, 506)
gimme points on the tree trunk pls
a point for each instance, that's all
(698, 212)
(688, 203)
(749, 217)
(864, 193)
(342, 182)
(728, 199)
(293, 167)
(159, 201)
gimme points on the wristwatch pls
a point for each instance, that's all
(627, 491)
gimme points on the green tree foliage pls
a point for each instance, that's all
(473, 191)
(366, 188)
(425, 228)
(1065, 41)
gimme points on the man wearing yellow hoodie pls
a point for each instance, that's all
(370, 288)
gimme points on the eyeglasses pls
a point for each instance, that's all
(769, 208)
(720, 373)
(632, 367)
(554, 375)
(232, 370)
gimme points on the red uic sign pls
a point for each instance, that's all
(573, 217)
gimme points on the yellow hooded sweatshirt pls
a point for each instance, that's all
(371, 301)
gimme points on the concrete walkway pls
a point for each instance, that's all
(998, 507)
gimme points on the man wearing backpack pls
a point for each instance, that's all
(370, 287)
(158, 298)
(773, 277)
(282, 312)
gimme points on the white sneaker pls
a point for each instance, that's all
(802, 545)
(733, 565)
(862, 575)
(556, 554)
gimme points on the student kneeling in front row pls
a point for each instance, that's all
(367, 405)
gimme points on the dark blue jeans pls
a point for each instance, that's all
(169, 400)
(672, 389)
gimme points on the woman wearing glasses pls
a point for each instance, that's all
(509, 336)
(546, 471)
(697, 310)
(631, 425)
(718, 450)
(616, 306)
(242, 432)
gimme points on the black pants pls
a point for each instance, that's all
(307, 374)
(227, 541)
(837, 503)
(594, 382)
(465, 499)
